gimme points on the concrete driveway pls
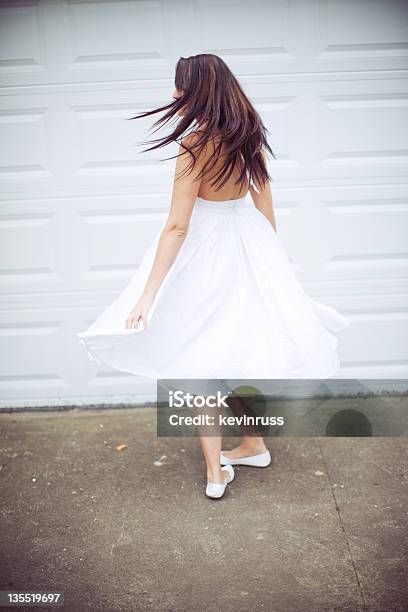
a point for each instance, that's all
(324, 528)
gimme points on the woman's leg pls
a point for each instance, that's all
(252, 443)
(210, 442)
(211, 447)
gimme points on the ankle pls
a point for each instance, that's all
(214, 474)
(253, 446)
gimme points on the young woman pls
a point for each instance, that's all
(215, 296)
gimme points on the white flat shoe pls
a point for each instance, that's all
(261, 460)
(217, 490)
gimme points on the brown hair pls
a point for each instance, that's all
(213, 99)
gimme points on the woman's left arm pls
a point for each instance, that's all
(185, 190)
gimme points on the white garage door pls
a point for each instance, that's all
(79, 204)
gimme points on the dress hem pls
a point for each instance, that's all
(154, 376)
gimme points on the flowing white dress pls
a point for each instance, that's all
(230, 307)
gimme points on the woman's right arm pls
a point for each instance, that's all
(185, 190)
(263, 201)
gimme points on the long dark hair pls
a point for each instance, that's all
(213, 100)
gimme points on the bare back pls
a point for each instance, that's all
(230, 190)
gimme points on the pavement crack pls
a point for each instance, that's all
(343, 528)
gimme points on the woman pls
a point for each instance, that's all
(215, 295)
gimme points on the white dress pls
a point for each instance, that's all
(230, 307)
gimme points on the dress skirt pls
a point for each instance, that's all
(230, 307)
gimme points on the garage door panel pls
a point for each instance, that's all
(361, 35)
(365, 360)
(20, 38)
(107, 140)
(39, 250)
(24, 152)
(27, 251)
(81, 41)
(360, 130)
(370, 245)
(379, 140)
(60, 42)
(77, 243)
(364, 235)
(116, 243)
(314, 135)
(267, 39)
(95, 144)
(78, 146)
(42, 351)
(80, 203)
(32, 344)
(38, 151)
(94, 28)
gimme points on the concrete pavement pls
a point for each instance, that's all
(324, 528)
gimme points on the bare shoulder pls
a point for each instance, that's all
(189, 148)
(191, 139)
(194, 137)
